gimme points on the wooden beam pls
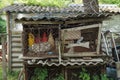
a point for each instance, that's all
(38, 57)
(82, 27)
(59, 44)
(8, 40)
(60, 22)
(38, 22)
(80, 54)
(84, 20)
(99, 39)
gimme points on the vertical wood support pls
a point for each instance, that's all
(99, 39)
(91, 6)
(59, 46)
(66, 78)
(25, 71)
(8, 41)
(114, 44)
(118, 69)
(4, 63)
(103, 69)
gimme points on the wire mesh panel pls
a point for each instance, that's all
(38, 72)
(76, 40)
(44, 40)
(80, 72)
(40, 40)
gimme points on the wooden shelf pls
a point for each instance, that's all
(43, 56)
(82, 54)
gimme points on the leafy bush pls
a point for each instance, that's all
(57, 3)
(40, 74)
(2, 25)
(95, 77)
(59, 77)
(10, 75)
(110, 1)
(84, 75)
(13, 75)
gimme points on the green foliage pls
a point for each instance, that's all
(10, 75)
(4, 3)
(104, 77)
(0, 71)
(110, 1)
(13, 75)
(59, 77)
(84, 75)
(2, 26)
(57, 3)
(95, 77)
(40, 74)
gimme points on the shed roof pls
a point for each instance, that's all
(62, 17)
(21, 8)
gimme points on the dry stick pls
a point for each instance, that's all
(21, 74)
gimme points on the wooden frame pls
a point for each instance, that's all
(83, 54)
(8, 16)
(99, 39)
(60, 22)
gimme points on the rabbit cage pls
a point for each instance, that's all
(54, 40)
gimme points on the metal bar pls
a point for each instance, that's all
(114, 44)
(106, 47)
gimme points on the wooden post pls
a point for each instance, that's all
(4, 65)
(99, 39)
(59, 46)
(91, 6)
(118, 70)
(8, 40)
(114, 44)
(66, 78)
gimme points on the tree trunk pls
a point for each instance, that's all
(91, 6)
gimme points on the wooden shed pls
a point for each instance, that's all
(59, 39)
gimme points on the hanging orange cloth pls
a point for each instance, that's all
(44, 38)
(51, 40)
(30, 39)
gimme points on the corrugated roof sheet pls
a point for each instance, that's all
(62, 17)
(67, 63)
(38, 9)
(110, 8)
